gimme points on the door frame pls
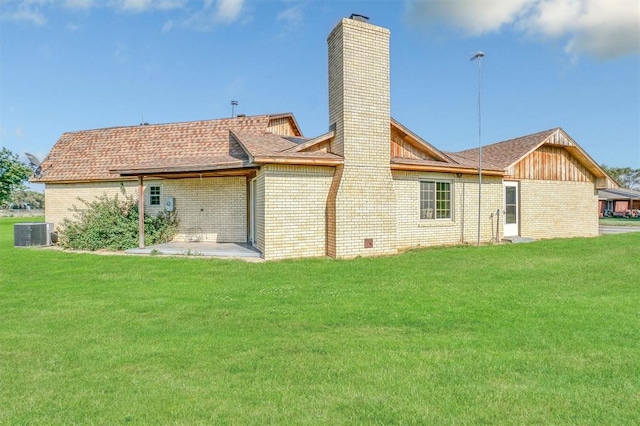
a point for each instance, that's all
(511, 229)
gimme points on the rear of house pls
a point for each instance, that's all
(369, 186)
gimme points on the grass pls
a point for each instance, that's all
(619, 221)
(542, 333)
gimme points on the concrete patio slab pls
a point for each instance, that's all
(518, 240)
(200, 249)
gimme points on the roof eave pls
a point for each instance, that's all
(140, 171)
(275, 159)
(444, 169)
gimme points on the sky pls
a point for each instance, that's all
(68, 65)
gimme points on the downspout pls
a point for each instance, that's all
(140, 212)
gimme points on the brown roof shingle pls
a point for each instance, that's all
(91, 154)
(502, 154)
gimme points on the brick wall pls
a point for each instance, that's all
(213, 209)
(293, 221)
(259, 211)
(462, 227)
(61, 198)
(553, 209)
(361, 203)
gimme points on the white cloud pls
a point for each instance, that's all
(604, 29)
(228, 10)
(167, 26)
(292, 16)
(25, 11)
(79, 4)
(134, 5)
(471, 16)
(225, 12)
(33, 10)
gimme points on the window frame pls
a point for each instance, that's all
(437, 205)
(153, 196)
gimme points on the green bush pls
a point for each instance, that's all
(112, 224)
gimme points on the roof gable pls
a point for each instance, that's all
(270, 148)
(321, 143)
(549, 155)
(283, 125)
(406, 144)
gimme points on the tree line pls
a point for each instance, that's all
(13, 175)
(626, 177)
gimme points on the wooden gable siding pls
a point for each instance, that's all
(558, 138)
(401, 148)
(550, 163)
(281, 126)
(319, 147)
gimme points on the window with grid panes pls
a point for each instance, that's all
(435, 200)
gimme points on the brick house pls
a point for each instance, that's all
(369, 186)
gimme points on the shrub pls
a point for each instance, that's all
(112, 224)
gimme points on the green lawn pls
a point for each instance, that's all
(619, 221)
(542, 333)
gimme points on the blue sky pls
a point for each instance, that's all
(81, 64)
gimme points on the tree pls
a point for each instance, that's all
(21, 197)
(13, 173)
(625, 176)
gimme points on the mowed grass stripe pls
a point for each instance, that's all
(533, 333)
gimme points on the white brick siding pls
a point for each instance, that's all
(214, 208)
(553, 209)
(462, 227)
(293, 221)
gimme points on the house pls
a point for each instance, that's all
(618, 201)
(369, 186)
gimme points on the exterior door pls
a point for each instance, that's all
(511, 209)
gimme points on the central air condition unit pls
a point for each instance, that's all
(32, 234)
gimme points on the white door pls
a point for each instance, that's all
(511, 209)
(252, 212)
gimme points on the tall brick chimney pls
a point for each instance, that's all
(361, 209)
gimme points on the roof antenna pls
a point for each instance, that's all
(234, 104)
(35, 164)
(142, 122)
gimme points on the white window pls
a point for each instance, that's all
(154, 195)
(435, 200)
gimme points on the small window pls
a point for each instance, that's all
(435, 200)
(154, 195)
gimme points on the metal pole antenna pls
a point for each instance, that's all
(479, 57)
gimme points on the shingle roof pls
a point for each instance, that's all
(91, 154)
(618, 194)
(270, 146)
(503, 154)
(231, 143)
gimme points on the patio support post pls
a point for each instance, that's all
(140, 212)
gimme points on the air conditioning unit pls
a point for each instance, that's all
(32, 234)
